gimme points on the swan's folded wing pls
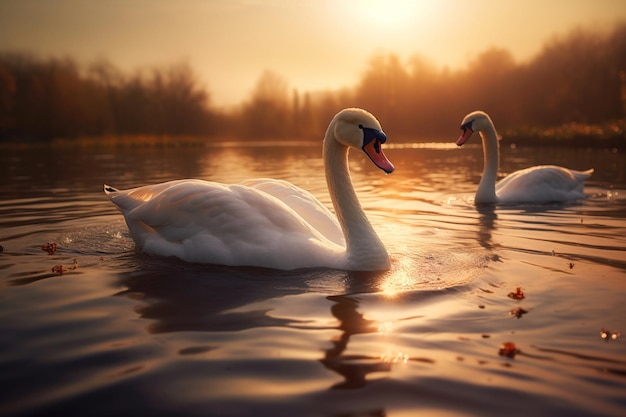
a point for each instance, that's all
(304, 203)
(226, 224)
(543, 183)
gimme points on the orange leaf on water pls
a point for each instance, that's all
(508, 349)
(49, 247)
(517, 295)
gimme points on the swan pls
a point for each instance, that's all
(265, 222)
(538, 184)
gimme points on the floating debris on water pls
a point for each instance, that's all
(517, 312)
(60, 269)
(517, 295)
(508, 349)
(49, 247)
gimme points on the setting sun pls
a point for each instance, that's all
(391, 12)
(314, 45)
(399, 17)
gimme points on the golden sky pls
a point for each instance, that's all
(313, 44)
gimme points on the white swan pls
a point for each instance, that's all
(538, 184)
(265, 223)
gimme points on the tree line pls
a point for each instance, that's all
(577, 79)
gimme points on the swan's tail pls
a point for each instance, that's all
(121, 198)
(583, 175)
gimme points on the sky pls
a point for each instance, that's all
(313, 44)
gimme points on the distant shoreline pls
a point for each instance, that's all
(612, 135)
(577, 141)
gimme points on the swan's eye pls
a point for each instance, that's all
(376, 135)
(467, 125)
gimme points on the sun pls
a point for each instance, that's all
(389, 12)
(393, 15)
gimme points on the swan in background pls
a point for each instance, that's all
(538, 184)
(266, 223)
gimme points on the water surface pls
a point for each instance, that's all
(119, 332)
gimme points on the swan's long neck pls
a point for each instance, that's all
(364, 249)
(486, 192)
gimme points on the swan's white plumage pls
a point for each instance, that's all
(263, 222)
(201, 221)
(304, 203)
(538, 184)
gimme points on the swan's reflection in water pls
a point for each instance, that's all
(486, 224)
(354, 368)
(176, 297)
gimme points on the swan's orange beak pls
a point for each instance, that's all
(375, 152)
(372, 146)
(467, 132)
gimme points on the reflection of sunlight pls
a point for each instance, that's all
(390, 355)
(425, 145)
(396, 283)
(403, 278)
(385, 328)
(451, 200)
(398, 357)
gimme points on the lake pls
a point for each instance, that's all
(484, 312)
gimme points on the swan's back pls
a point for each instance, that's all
(303, 203)
(200, 221)
(542, 184)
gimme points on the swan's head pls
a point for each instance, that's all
(476, 121)
(358, 129)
